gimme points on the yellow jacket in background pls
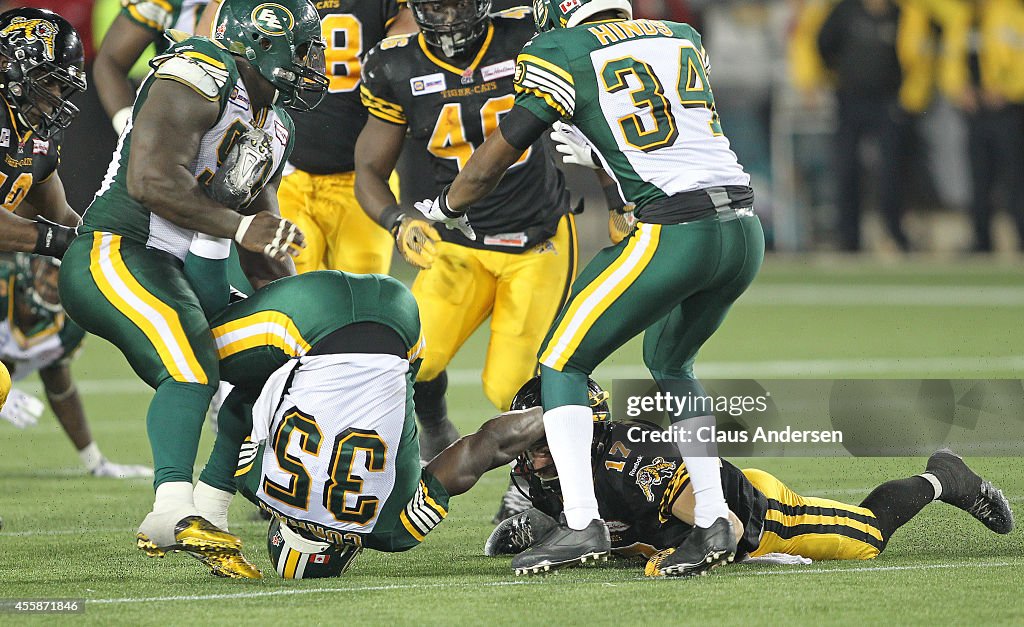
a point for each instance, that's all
(1000, 49)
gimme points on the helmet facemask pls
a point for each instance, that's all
(452, 25)
(303, 82)
(36, 284)
(42, 67)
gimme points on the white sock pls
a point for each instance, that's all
(91, 456)
(212, 504)
(706, 480)
(570, 434)
(173, 495)
(932, 479)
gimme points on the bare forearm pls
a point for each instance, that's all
(373, 192)
(260, 269)
(17, 234)
(115, 89)
(175, 195)
(483, 172)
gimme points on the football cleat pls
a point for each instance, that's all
(108, 468)
(965, 489)
(517, 533)
(705, 549)
(514, 501)
(436, 438)
(219, 550)
(563, 547)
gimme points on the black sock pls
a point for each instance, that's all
(895, 502)
(431, 408)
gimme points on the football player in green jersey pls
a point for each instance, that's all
(638, 94)
(139, 24)
(41, 68)
(36, 336)
(201, 156)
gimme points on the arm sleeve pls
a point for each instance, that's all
(543, 85)
(521, 127)
(206, 270)
(376, 91)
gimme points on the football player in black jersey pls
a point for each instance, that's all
(644, 493)
(41, 68)
(448, 87)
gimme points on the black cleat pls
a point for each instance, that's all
(437, 438)
(963, 488)
(704, 549)
(563, 547)
(518, 533)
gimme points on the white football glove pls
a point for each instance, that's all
(573, 145)
(437, 210)
(22, 410)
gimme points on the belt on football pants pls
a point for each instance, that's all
(698, 204)
(362, 337)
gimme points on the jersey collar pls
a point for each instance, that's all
(448, 66)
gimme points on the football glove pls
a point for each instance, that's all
(437, 210)
(237, 180)
(22, 410)
(573, 146)
(416, 240)
(620, 223)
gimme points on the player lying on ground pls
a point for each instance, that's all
(644, 493)
(323, 366)
(35, 335)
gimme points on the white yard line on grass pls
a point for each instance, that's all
(493, 584)
(821, 368)
(768, 294)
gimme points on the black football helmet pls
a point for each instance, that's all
(545, 489)
(451, 25)
(42, 65)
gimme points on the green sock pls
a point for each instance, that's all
(234, 422)
(558, 389)
(174, 423)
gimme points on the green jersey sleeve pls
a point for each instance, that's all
(376, 91)
(543, 84)
(155, 16)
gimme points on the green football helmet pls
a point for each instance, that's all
(297, 557)
(549, 14)
(282, 41)
(35, 283)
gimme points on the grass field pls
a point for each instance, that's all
(70, 536)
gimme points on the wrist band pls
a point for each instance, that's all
(442, 203)
(390, 217)
(243, 226)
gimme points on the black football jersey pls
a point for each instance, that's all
(27, 160)
(451, 106)
(631, 479)
(326, 136)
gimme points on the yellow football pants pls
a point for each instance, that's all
(521, 293)
(820, 529)
(339, 234)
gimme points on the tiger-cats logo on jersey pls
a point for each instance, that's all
(23, 29)
(653, 474)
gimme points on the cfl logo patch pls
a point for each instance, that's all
(272, 18)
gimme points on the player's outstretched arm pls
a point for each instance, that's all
(66, 403)
(498, 442)
(377, 150)
(483, 171)
(122, 46)
(47, 199)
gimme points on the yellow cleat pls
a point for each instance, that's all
(217, 549)
(653, 567)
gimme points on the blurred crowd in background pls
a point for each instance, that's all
(867, 125)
